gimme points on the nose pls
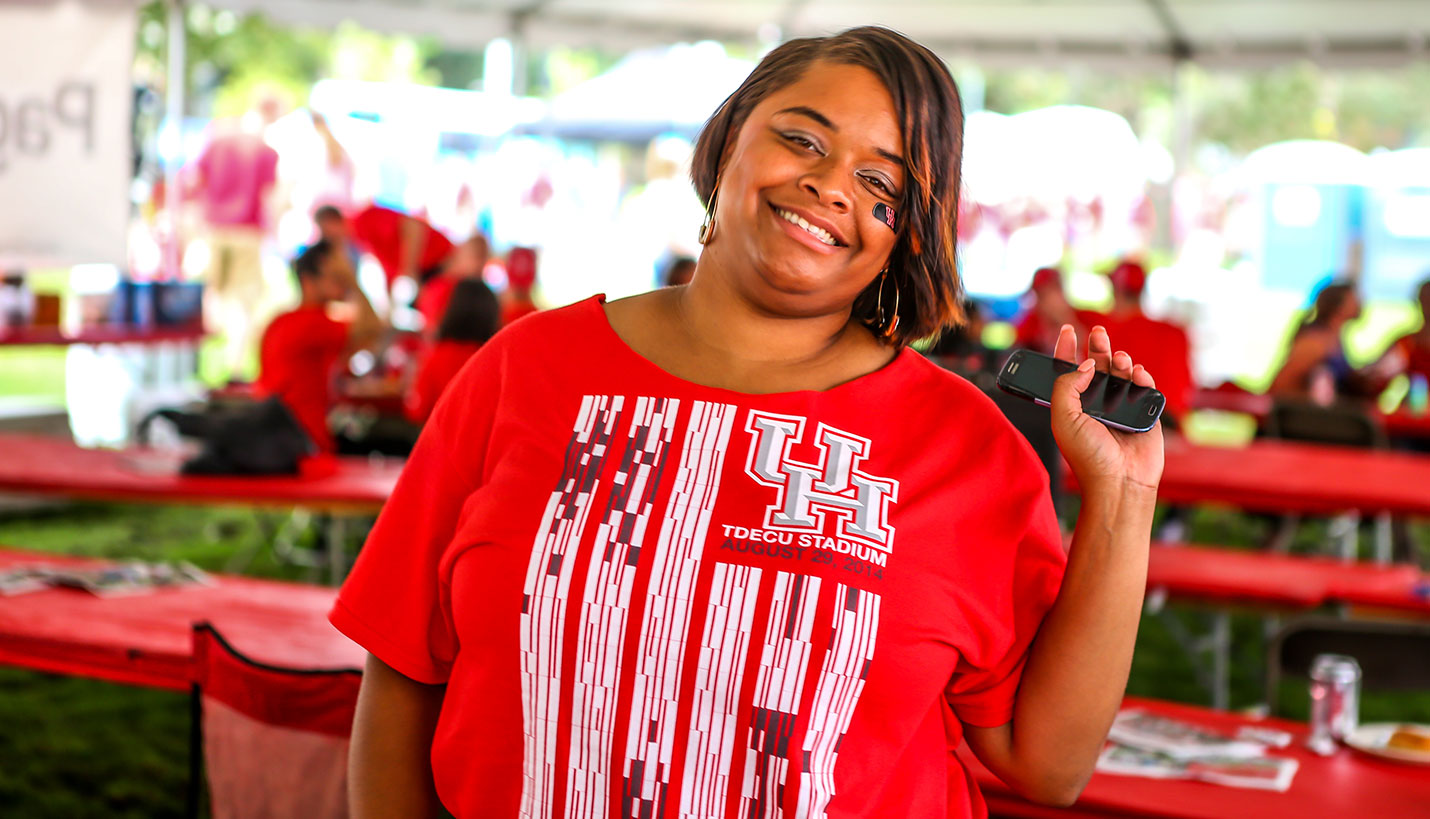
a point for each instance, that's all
(830, 185)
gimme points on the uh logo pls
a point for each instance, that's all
(808, 492)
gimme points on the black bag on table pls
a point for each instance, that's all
(261, 438)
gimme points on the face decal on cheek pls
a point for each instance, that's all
(884, 214)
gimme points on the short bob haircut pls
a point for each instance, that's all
(922, 264)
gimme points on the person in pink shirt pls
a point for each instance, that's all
(232, 179)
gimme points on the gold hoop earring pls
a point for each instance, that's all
(887, 327)
(707, 228)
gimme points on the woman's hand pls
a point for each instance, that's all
(1101, 457)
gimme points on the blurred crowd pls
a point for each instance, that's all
(331, 348)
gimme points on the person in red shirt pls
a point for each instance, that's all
(467, 261)
(470, 320)
(735, 548)
(1162, 346)
(1410, 353)
(520, 279)
(1048, 312)
(404, 245)
(302, 347)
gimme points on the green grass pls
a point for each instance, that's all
(82, 748)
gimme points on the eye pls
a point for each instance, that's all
(879, 182)
(802, 141)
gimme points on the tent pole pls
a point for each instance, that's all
(1181, 142)
(175, 81)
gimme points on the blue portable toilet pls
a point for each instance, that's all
(1397, 224)
(1311, 196)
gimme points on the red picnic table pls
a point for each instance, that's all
(1287, 476)
(36, 465)
(1279, 581)
(104, 334)
(146, 639)
(1346, 784)
(1227, 579)
(55, 467)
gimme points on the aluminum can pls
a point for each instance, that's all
(1335, 700)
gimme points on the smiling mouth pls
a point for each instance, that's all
(817, 232)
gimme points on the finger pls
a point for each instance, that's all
(1142, 378)
(1066, 348)
(1068, 390)
(1121, 365)
(1099, 348)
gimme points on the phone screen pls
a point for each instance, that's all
(1114, 401)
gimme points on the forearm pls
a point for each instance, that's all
(366, 326)
(1077, 668)
(414, 236)
(389, 763)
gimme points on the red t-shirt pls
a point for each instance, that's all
(440, 364)
(646, 595)
(1417, 355)
(378, 231)
(237, 170)
(296, 359)
(432, 301)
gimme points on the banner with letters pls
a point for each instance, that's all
(65, 131)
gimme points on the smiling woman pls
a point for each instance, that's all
(732, 548)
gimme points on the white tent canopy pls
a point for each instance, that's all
(1111, 32)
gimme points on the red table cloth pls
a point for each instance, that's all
(38, 465)
(1347, 784)
(146, 639)
(1284, 581)
(1282, 476)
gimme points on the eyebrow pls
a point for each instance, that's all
(806, 111)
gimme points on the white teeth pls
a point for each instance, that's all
(817, 232)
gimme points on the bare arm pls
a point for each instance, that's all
(414, 238)
(1306, 352)
(390, 762)
(1077, 667)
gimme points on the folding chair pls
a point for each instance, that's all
(1337, 425)
(1392, 656)
(274, 740)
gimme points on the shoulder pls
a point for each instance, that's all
(944, 402)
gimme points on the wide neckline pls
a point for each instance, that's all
(596, 305)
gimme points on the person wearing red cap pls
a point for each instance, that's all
(520, 278)
(1163, 345)
(1050, 310)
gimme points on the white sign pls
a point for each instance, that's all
(65, 144)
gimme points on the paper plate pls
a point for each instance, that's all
(1371, 738)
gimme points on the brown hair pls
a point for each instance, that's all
(922, 264)
(1328, 303)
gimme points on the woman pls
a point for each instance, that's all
(734, 548)
(470, 320)
(1316, 368)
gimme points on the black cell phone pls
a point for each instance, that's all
(1114, 401)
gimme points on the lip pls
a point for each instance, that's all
(823, 224)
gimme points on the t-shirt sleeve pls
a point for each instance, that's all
(1020, 583)
(393, 603)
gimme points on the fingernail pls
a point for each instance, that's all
(1065, 328)
(1086, 365)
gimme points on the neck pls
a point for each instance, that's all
(1123, 308)
(714, 316)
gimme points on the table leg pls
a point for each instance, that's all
(1221, 660)
(337, 549)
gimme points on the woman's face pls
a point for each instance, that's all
(825, 149)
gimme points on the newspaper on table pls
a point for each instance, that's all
(1143, 744)
(115, 580)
